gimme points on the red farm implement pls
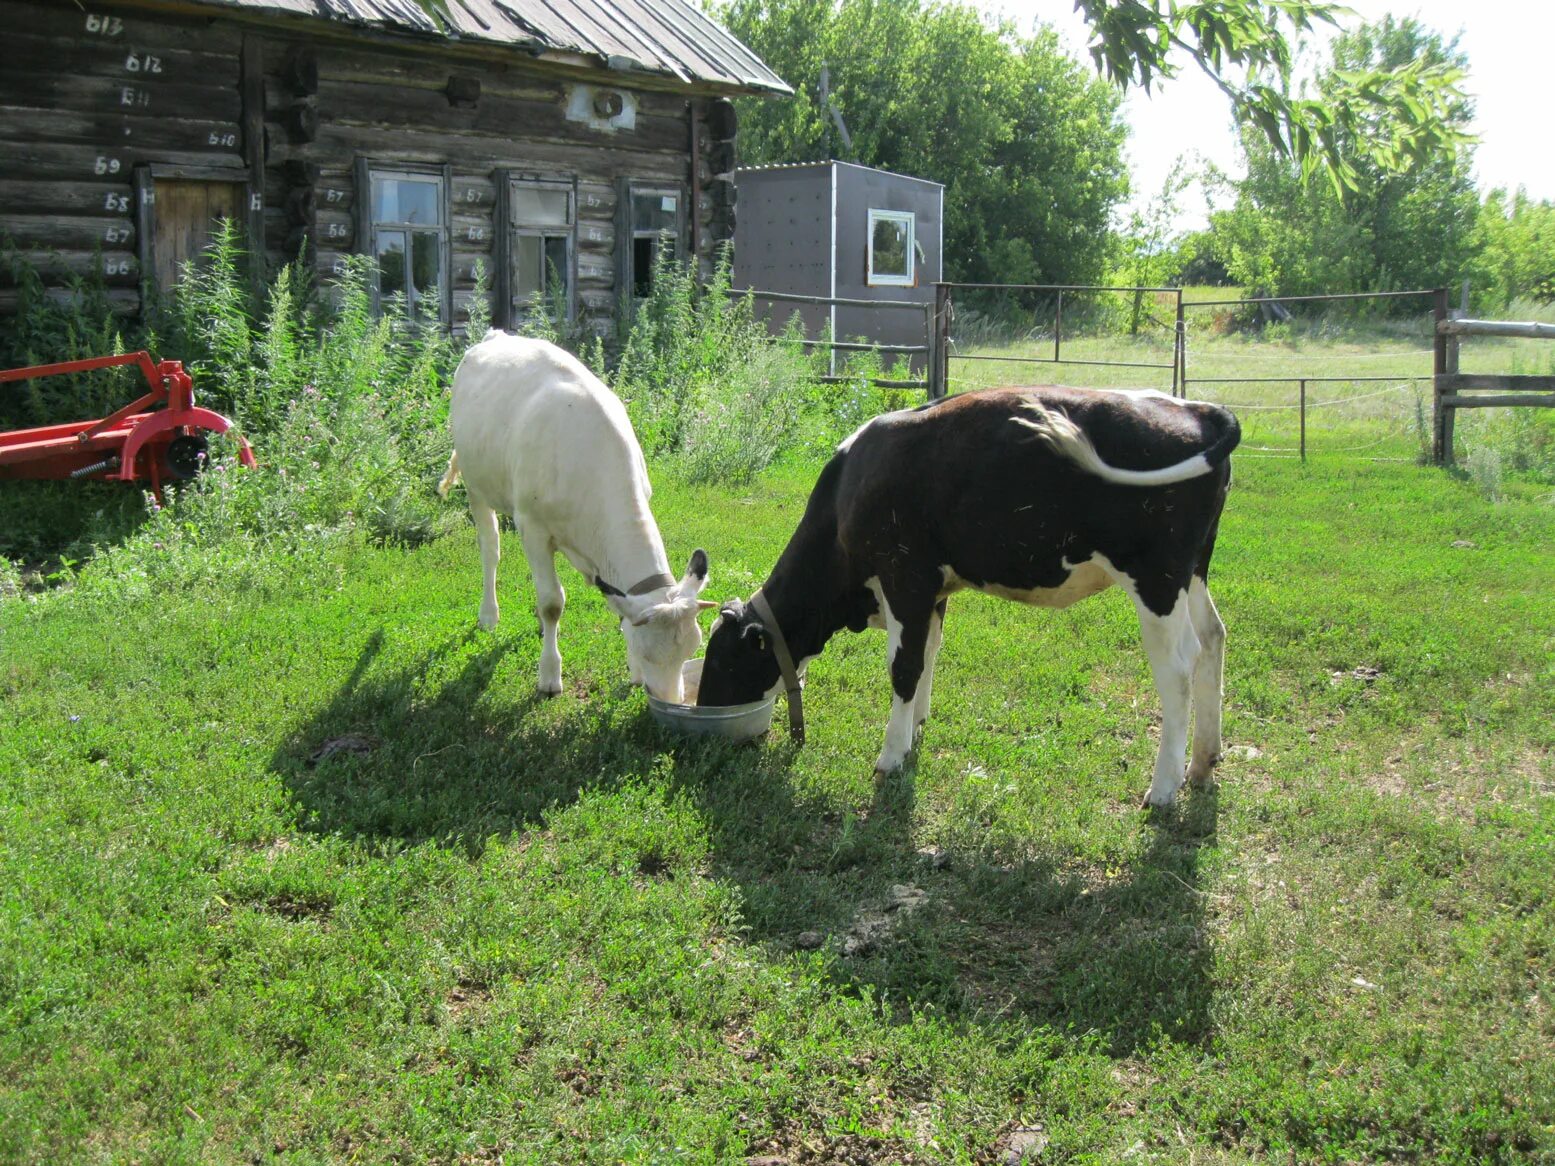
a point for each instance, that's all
(157, 438)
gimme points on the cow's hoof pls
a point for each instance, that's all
(1155, 801)
(1201, 778)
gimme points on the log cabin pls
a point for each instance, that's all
(556, 142)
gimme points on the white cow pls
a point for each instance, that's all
(538, 436)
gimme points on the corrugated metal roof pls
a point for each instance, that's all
(670, 38)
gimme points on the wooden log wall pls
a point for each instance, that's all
(87, 96)
(480, 120)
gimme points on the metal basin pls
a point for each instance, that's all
(736, 722)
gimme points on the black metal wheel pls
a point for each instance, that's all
(186, 456)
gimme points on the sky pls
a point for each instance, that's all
(1507, 42)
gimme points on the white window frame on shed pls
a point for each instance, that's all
(893, 279)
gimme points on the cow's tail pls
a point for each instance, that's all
(1070, 441)
(450, 476)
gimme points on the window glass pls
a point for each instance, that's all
(540, 206)
(890, 245)
(426, 260)
(407, 237)
(656, 211)
(556, 260)
(540, 215)
(391, 262)
(406, 200)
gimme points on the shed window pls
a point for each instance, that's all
(891, 250)
(409, 237)
(541, 219)
(655, 226)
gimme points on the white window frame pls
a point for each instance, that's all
(634, 191)
(368, 170)
(516, 229)
(890, 279)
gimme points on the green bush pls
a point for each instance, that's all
(712, 391)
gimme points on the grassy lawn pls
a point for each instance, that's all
(305, 872)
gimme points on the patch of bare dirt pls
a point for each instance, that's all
(793, 1146)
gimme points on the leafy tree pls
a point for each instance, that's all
(1518, 256)
(1415, 228)
(1028, 146)
(1388, 116)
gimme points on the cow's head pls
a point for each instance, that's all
(661, 629)
(740, 666)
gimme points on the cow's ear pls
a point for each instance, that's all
(755, 634)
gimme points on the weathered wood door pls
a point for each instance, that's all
(186, 214)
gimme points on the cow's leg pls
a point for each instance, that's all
(489, 538)
(907, 634)
(936, 637)
(1173, 647)
(1208, 675)
(550, 599)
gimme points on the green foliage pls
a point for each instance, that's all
(1389, 116)
(1393, 230)
(1029, 147)
(73, 323)
(709, 388)
(1517, 259)
(345, 409)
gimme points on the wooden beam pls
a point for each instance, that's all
(1524, 330)
(1450, 401)
(1495, 382)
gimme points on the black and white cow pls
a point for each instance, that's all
(1042, 495)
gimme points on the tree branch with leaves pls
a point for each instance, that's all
(1393, 119)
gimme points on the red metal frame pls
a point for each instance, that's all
(136, 436)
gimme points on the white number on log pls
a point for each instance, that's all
(116, 202)
(593, 200)
(116, 235)
(335, 195)
(104, 25)
(130, 95)
(135, 63)
(339, 267)
(596, 235)
(147, 196)
(106, 165)
(220, 139)
(475, 234)
(336, 231)
(117, 267)
(472, 196)
(256, 202)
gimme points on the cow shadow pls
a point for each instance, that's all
(1122, 955)
(411, 753)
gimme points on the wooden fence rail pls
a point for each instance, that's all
(1455, 390)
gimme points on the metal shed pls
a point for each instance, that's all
(844, 232)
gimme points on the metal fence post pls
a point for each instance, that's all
(1303, 420)
(1441, 415)
(1180, 353)
(939, 355)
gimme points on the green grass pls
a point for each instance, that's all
(545, 931)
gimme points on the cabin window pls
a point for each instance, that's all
(409, 238)
(541, 220)
(655, 224)
(891, 248)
